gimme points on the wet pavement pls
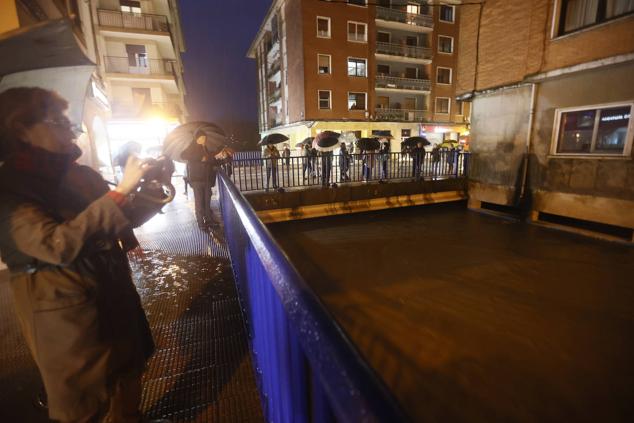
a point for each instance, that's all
(202, 370)
(468, 317)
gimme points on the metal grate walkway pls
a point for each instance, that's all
(202, 369)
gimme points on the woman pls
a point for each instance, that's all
(64, 237)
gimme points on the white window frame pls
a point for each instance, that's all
(329, 27)
(450, 75)
(453, 14)
(329, 64)
(438, 44)
(365, 40)
(627, 149)
(365, 106)
(448, 106)
(357, 58)
(329, 100)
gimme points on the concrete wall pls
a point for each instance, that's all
(295, 61)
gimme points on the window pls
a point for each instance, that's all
(577, 14)
(600, 130)
(357, 2)
(445, 44)
(357, 67)
(459, 107)
(447, 13)
(383, 70)
(130, 6)
(357, 31)
(383, 37)
(324, 99)
(406, 133)
(356, 101)
(413, 9)
(323, 27)
(443, 75)
(323, 63)
(442, 105)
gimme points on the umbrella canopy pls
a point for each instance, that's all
(413, 141)
(326, 141)
(368, 144)
(273, 139)
(184, 135)
(307, 141)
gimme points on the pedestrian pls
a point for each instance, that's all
(435, 159)
(271, 155)
(313, 162)
(344, 162)
(307, 166)
(384, 157)
(64, 237)
(369, 161)
(451, 158)
(418, 155)
(286, 154)
(201, 172)
(326, 168)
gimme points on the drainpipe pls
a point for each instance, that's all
(529, 132)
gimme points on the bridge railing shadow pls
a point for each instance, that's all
(307, 369)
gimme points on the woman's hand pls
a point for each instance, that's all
(135, 168)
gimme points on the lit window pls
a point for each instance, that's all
(357, 31)
(447, 13)
(442, 105)
(577, 14)
(443, 75)
(357, 67)
(323, 27)
(445, 44)
(323, 63)
(324, 99)
(356, 101)
(597, 130)
(130, 6)
(413, 9)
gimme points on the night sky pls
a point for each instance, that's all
(220, 79)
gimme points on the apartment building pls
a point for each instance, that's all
(551, 84)
(136, 92)
(358, 67)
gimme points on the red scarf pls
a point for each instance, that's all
(36, 161)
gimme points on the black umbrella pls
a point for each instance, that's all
(413, 142)
(368, 144)
(273, 139)
(327, 141)
(184, 135)
(307, 141)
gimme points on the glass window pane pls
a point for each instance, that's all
(613, 124)
(575, 131)
(580, 13)
(619, 7)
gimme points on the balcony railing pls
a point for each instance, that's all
(395, 15)
(139, 66)
(132, 110)
(404, 50)
(409, 115)
(384, 81)
(143, 21)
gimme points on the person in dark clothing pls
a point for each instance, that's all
(286, 154)
(326, 168)
(306, 161)
(344, 162)
(201, 172)
(435, 159)
(313, 162)
(384, 156)
(418, 154)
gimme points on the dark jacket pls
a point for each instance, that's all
(73, 292)
(201, 165)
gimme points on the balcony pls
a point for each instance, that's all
(401, 115)
(398, 19)
(273, 68)
(403, 52)
(133, 21)
(140, 66)
(130, 110)
(275, 95)
(395, 83)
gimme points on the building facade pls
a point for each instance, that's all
(359, 67)
(136, 92)
(551, 83)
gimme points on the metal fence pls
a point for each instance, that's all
(307, 370)
(128, 20)
(256, 173)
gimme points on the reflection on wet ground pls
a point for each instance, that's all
(467, 317)
(201, 371)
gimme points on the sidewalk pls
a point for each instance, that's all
(202, 369)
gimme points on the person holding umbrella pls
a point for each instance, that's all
(384, 154)
(418, 153)
(271, 156)
(344, 162)
(201, 173)
(307, 161)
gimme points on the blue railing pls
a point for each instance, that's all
(307, 369)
